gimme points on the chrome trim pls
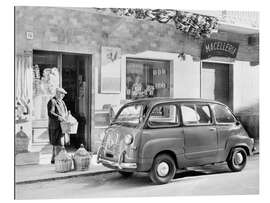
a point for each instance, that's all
(119, 166)
(119, 163)
(98, 151)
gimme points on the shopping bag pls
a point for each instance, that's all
(73, 124)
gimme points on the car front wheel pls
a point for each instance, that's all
(237, 160)
(163, 169)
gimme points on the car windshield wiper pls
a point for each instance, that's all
(117, 122)
(124, 123)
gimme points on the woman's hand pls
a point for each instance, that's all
(60, 118)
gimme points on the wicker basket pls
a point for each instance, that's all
(81, 159)
(63, 162)
(73, 128)
(68, 127)
(65, 126)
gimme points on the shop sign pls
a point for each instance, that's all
(110, 69)
(212, 47)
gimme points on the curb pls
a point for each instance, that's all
(77, 175)
(64, 177)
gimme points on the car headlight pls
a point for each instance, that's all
(128, 139)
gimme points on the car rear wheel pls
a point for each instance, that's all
(237, 160)
(125, 173)
(163, 169)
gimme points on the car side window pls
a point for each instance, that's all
(165, 115)
(198, 114)
(189, 114)
(204, 114)
(223, 114)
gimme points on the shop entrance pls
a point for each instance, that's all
(74, 81)
(72, 72)
(215, 82)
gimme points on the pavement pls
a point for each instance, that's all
(46, 172)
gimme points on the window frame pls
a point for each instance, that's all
(126, 106)
(197, 124)
(226, 107)
(145, 60)
(149, 126)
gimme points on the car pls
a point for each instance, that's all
(163, 135)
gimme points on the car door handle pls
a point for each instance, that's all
(212, 129)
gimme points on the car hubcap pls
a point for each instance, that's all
(238, 158)
(163, 169)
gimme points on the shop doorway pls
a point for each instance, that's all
(73, 73)
(215, 82)
(74, 81)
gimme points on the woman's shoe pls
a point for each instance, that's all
(52, 161)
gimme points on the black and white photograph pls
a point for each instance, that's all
(135, 101)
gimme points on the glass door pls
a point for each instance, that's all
(46, 77)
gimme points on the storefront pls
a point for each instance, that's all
(104, 60)
(51, 70)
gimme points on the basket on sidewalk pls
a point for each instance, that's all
(63, 161)
(82, 159)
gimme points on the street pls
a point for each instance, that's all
(208, 180)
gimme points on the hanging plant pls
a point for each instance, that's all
(196, 25)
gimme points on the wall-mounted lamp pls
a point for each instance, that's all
(182, 56)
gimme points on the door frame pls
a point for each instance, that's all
(231, 75)
(89, 89)
(199, 159)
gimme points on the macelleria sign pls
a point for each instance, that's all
(212, 47)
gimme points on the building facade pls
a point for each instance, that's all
(104, 60)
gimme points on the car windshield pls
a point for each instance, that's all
(130, 115)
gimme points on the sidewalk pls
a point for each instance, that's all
(45, 171)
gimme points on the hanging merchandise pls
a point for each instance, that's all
(23, 87)
(196, 25)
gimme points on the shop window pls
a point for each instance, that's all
(147, 78)
(45, 80)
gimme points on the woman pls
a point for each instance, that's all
(57, 112)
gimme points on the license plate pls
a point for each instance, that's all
(111, 142)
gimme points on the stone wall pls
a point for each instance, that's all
(82, 31)
(85, 31)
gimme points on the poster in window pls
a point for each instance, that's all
(110, 69)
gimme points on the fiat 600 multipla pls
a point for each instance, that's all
(163, 135)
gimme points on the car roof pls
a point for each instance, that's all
(158, 100)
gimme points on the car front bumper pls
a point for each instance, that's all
(116, 164)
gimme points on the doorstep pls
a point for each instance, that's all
(46, 172)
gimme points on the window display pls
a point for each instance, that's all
(45, 80)
(23, 82)
(147, 78)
